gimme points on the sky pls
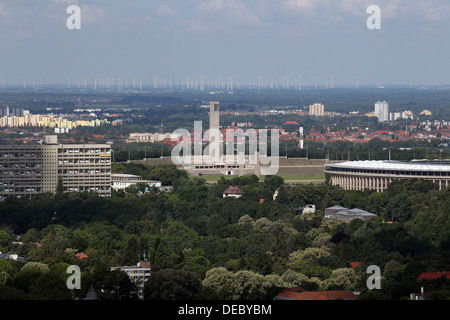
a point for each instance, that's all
(315, 41)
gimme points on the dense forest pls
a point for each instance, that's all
(204, 246)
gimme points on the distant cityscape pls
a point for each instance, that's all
(89, 117)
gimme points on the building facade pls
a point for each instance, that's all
(122, 181)
(27, 170)
(382, 111)
(377, 175)
(139, 274)
(317, 109)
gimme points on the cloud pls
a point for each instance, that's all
(433, 11)
(430, 10)
(5, 17)
(91, 14)
(3, 12)
(165, 10)
(230, 11)
(65, 2)
(303, 6)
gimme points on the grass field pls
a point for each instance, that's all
(289, 178)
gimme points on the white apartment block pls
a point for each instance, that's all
(382, 111)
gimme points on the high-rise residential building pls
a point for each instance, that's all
(27, 170)
(382, 111)
(317, 109)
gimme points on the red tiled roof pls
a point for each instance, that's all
(81, 255)
(434, 275)
(296, 294)
(233, 190)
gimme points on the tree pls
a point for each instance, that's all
(309, 259)
(59, 187)
(220, 281)
(108, 284)
(297, 279)
(341, 279)
(261, 262)
(273, 182)
(171, 284)
(399, 208)
(132, 252)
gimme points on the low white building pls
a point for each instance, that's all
(11, 256)
(344, 214)
(309, 208)
(122, 181)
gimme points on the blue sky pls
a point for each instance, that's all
(243, 39)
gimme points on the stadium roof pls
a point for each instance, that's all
(391, 165)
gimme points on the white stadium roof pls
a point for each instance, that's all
(391, 165)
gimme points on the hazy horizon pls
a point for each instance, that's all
(258, 43)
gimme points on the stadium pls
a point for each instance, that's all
(377, 175)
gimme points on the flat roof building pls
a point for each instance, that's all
(120, 181)
(377, 175)
(27, 170)
(139, 274)
(344, 214)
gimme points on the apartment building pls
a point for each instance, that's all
(382, 111)
(317, 109)
(27, 170)
(139, 274)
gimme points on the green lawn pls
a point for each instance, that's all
(302, 177)
(287, 177)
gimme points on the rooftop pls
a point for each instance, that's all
(124, 175)
(233, 190)
(391, 165)
(300, 294)
(434, 275)
(337, 208)
(356, 211)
